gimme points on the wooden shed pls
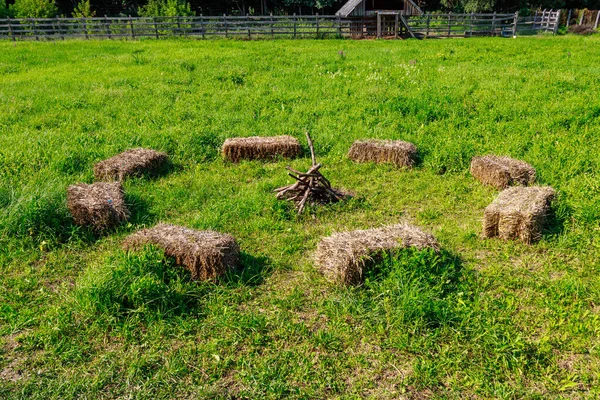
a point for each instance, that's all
(381, 17)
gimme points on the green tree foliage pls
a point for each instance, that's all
(83, 10)
(34, 9)
(165, 8)
(3, 9)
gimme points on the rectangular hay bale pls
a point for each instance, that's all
(518, 213)
(206, 254)
(133, 162)
(502, 172)
(342, 257)
(260, 148)
(398, 152)
(100, 205)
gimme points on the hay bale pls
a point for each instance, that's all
(502, 172)
(206, 254)
(518, 213)
(134, 162)
(100, 205)
(342, 257)
(402, 154)
(260, 148)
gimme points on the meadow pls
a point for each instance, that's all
(81, 318)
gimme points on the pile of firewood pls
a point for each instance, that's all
(310, 187)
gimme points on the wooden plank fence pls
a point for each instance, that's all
(273, 26)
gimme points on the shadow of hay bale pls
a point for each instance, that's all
(139, 210)
(251, 271)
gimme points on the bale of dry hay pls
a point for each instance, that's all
(134, 162)
(518, 213)
(206, 254)
(260, 148)
(402, 154)
(502, 172)
(343, 257)
(100, 205)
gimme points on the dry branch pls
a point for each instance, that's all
(310, 187)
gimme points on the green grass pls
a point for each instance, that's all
(79, 317)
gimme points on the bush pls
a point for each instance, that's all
(582, 29)
(83, 10)
(165, 8)
(34, 9)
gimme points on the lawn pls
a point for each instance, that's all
(80, 317)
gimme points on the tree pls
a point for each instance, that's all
(165, 8)
(34, 9)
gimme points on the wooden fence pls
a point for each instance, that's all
(292, 26)
(468, 25)
(582, 17)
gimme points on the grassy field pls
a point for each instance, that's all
(81, 318)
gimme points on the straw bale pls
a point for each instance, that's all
(518, 213)
(100, 205)
(260, 148)
(206, 254)
(502, 172)
(402, 154)
(342, 257)
(134, 162)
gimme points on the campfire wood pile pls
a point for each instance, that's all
(310, 187)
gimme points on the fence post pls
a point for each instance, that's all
(396, 25)
(272, 30)
(202, 25)
(557, 22)
(12, 34)
(131, 27)
(449, 22)
(581, 18)
(225, 23)
(494, 24)
(428, 23)
(295, 23)
(248, 25)
(107, 27)
(33, 28)
(317, 20)
(85, 28)
(155, 27)
(515, 24)
(378, 26)
(569, 17)
(179, 25)
(339, 21)
(471, 24)
(597, 19)
(60, 32)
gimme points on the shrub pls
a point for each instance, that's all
(83, 10)
(582, 29)
(34, 9)
(165, 8)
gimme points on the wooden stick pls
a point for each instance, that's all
(312, 149)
